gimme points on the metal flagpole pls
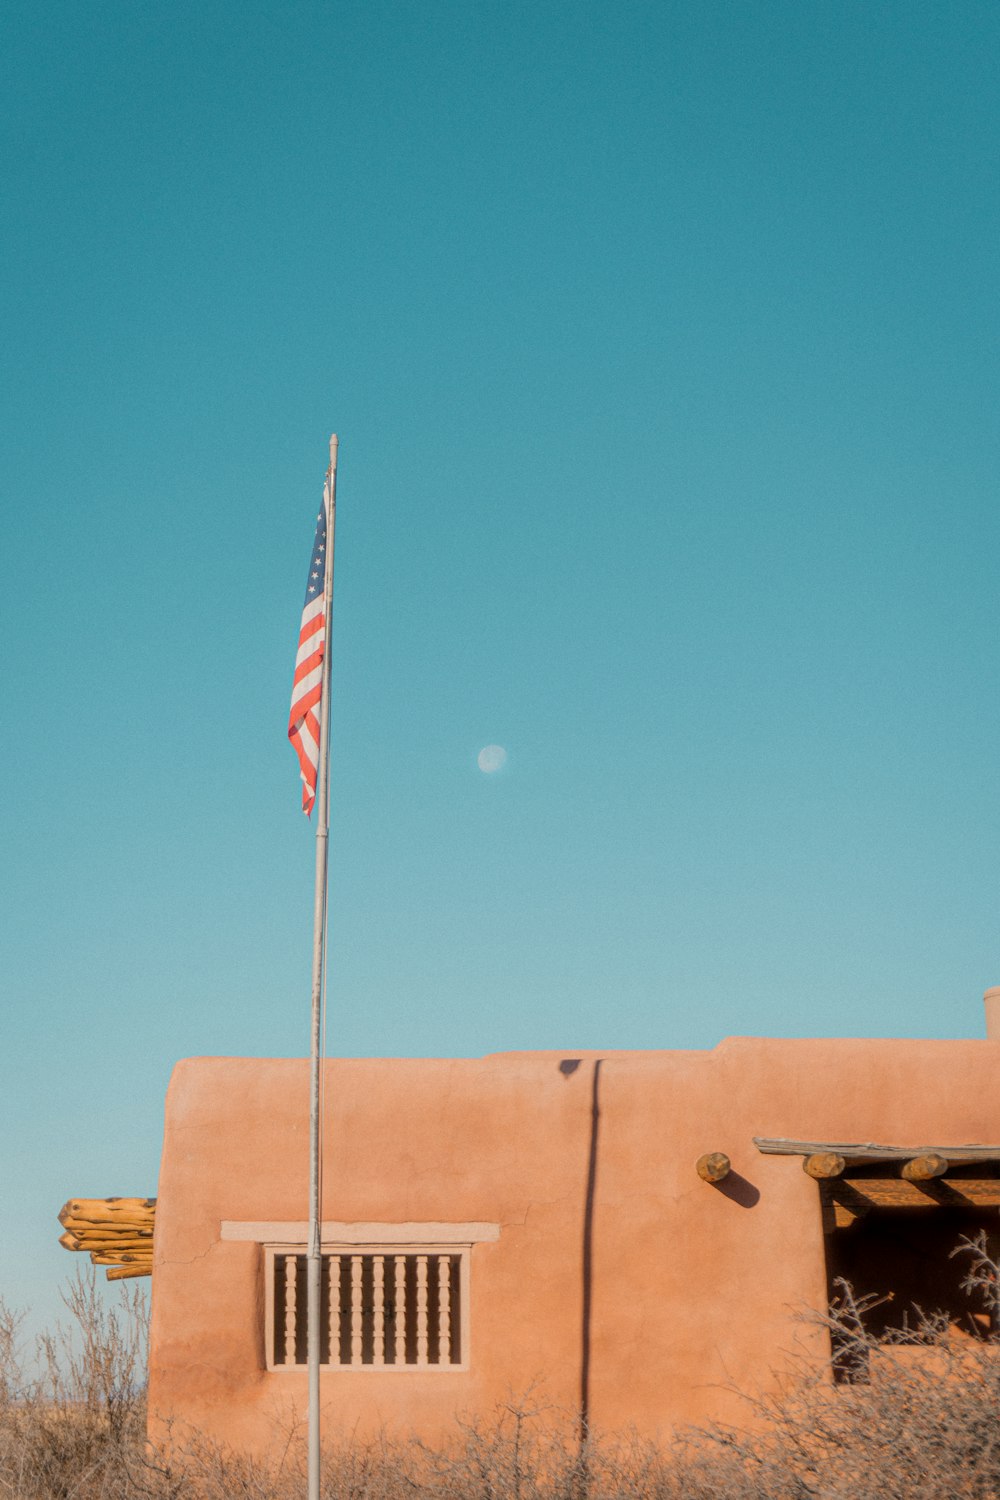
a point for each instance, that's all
(313, 1258)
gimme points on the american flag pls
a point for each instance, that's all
(307, 690)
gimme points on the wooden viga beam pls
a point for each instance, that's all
(106, 1242)
(822, 1165)
(924, 1168)
(116, 1232)
(122, 1258)
(141, 1229)
(109, 1210)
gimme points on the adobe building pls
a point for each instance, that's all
(494, 1223)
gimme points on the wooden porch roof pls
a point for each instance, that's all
(857, 1152)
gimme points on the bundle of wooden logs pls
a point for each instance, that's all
(117, 1233)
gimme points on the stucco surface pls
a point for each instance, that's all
(690, 1289)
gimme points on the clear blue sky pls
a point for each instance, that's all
(662, 343)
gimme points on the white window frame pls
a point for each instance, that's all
(278, 1239)
(273, 1268)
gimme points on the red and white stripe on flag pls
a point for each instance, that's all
(307, 689)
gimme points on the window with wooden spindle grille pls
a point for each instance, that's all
(382, 1308)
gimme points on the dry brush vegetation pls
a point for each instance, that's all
(922, 1423)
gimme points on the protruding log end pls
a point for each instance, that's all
(122, 1257)
(925, 1168)
(823, 1165)
(122, 1273)
(713, 1166)
(104, 1210)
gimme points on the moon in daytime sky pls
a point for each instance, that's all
(491, 758)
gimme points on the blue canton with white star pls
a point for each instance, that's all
(317, 566)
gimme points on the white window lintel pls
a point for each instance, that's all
(334, 1232)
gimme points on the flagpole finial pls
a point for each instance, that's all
(333, 450)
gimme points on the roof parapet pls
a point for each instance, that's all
(991, 1000)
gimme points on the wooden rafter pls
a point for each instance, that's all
(116, 1232)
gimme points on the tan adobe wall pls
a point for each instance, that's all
(693, 1288)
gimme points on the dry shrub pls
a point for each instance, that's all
(918, 1417)
(68, 1424)
(919, 1420)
